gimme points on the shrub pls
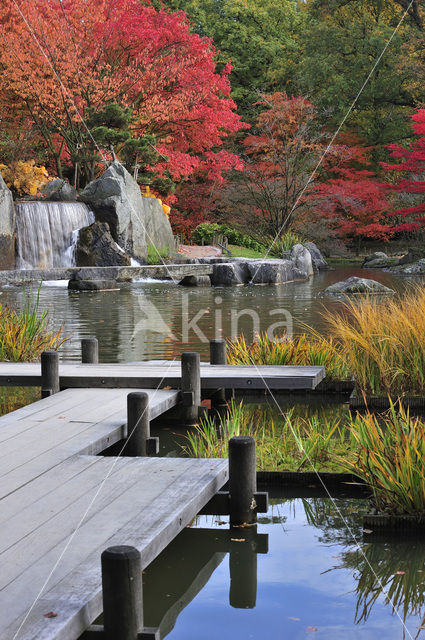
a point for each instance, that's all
(24, 178)
(284, 243)
(205, 232)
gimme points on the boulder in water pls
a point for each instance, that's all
(413, 255)
(92, 285)
(97, 248)
(135, 222)
(356, 285)
(319, 263)
(378, 260)
(195, 281)
(59, 191)
(415, 269)
(301, 257)
(7, 227)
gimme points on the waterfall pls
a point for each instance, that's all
(47, 232)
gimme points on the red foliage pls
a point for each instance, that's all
(59, 59)
(411, 161)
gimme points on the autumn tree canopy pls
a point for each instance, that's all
(62, 62)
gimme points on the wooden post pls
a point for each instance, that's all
(89, 351)
(242, 479)
(122, 593)
(191, 386)
(138, 427)
(243, 571)
(49, 373)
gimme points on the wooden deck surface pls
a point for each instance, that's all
(60, 507)
(165, 373)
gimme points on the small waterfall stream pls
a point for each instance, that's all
(47, 232)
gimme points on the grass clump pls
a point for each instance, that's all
(391, 460)
(383, 343)
(25, 334)
(285, 242)
(293, 444)
(310, 350)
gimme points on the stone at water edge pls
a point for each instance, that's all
(415, 269)
(301, 257)
(413, 255)
(319, 263)
(7, 227)
(195, 281)
(355, 285)
(228, 275)
(135, 222)
(97, 248)
(378, 260)
(92, 285)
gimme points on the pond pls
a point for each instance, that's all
(319, 579)
(155, 320)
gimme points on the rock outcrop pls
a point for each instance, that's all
(415, 269)
(413, 255)
(378, 260)
(97, 248)
(356, 285)
(195, 281)
(319, 263)
(301, 257)
(59, 191)
(7, 227)
(135, 222)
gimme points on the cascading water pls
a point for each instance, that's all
(47, 232)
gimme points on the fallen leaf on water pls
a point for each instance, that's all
(220, 522)
(420, 627)
(238, 539)
(367, 531)
(51, 614)
(311, 629)
(400, 573)
(294, 619)
(166, 388)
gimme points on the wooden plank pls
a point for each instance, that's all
(153, 525)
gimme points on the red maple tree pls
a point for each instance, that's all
(62, 60)
(411, 160)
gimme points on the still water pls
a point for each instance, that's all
(155, 320)
(319, 579)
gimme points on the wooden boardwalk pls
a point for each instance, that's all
(165, 373)
(61, 506)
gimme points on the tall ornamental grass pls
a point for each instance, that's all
(391, 459)
(294, 444)
(25, 334)
(311, 350)
(383, 342)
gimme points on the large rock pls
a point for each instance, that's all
(301, 257)
(135, 222)
(230, 274)
(413, 255)
(356, 285)
(97, 248)
(415, 269)
(92, 285)
(274, 272)
(59, 191)
(7, 227)
(195, 281)
(378, 260)
(319, 263)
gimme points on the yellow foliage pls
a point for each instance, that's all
(147, 193)
(24, 177)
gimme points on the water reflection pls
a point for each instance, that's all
(315, 580)
(114, 316)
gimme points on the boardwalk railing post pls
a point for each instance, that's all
(122, 593)
(191, 386)
(218, 355)
(89, 351)
(49, 373)
(242, 480)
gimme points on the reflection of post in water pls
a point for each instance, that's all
(244, 546)
(179, 573)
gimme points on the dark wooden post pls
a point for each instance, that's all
(89, 351)
(49, 373)
(242, 479)
(243, 571)
(122, 593)
(138, 427)
(218, 355)
(191, 386)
